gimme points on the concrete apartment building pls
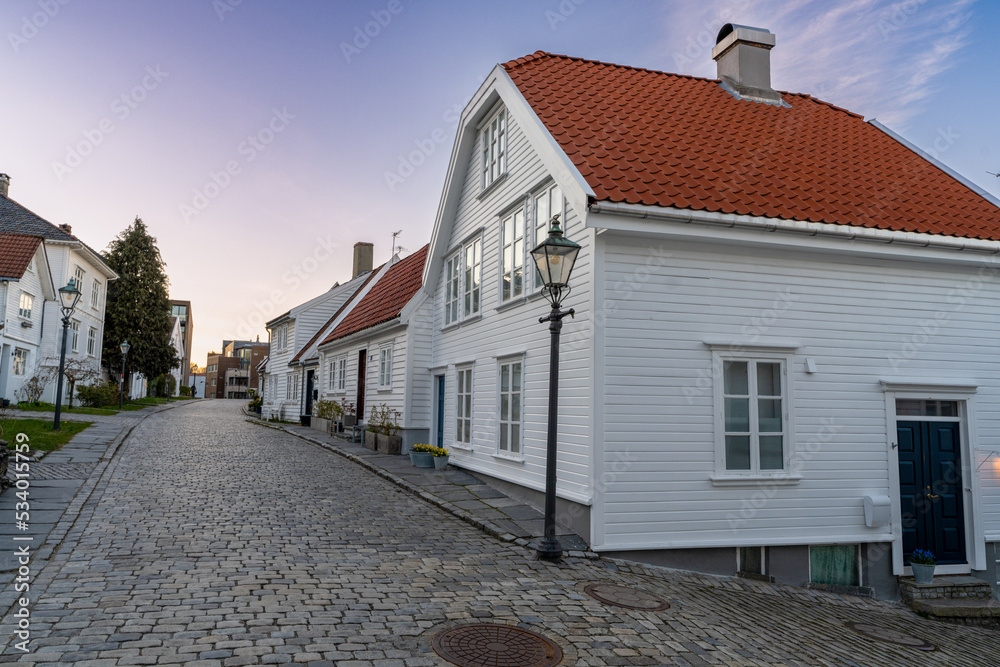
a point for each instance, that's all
(229, 373)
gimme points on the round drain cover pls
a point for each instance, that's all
(884, 634)
(623, 596)
(494, 645)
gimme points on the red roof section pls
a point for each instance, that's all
(16, 251)
(346, 303)
(645, 137)
(387, 297)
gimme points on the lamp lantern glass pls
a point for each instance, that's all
(555, 257)
(124, 347)
(69, 296)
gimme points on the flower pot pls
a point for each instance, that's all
(390, 444)
(922, 574)
(440, 462)
(321, 425)
(371, 441)
(422, 459)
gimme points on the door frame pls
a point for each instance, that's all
(964, 394)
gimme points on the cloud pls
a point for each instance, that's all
(874, 57)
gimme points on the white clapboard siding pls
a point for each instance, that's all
(853, 317)
(513, 329)
(394, 397)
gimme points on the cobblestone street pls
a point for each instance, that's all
(213, 541)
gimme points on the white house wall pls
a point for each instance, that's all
(513, 329)
(861, 320)
(14, 335)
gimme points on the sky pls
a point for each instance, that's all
(259, 141)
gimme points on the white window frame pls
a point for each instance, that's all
(752, 355)
(74, 328)
(21, 310)
(95, 294)
(289, 384)
(385, 367)
(514, 450)
(91, 341)
(452, 288)
(340, 368)
(78, 275)
(516, 243)
(540, 220)
(464, 406)
(493, 147)
(20, 361)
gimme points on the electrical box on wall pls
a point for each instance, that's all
(877, 511)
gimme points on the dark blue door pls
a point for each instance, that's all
(440, 411)
(930, 486)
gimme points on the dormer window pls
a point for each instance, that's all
(494, 148)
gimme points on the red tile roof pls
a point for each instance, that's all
(645, 137)
(387, 298)
(16, 251)
(322, 329)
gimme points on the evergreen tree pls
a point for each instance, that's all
(138, 306)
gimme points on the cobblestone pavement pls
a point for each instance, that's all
(211, 541)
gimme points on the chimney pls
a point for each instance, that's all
(4, 184)
(743, 56)
(362, 258)
(66, 228)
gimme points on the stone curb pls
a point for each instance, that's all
(42, 554)
(487, 527)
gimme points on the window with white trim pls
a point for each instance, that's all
(95, 295)
(340, 373)
(510, 392)
(20, 361)
(451, 289)
(512, 256)
(74, 327)
(289, 386)
(385, 367)
(755, 414)
(494, 148)
(545, 204)
(463, 406)
(92, 341)
(78, 277)
(25, 305)
(472, 279)
(296, 378)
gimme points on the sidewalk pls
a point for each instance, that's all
(454, 490)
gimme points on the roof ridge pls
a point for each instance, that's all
(48, 222)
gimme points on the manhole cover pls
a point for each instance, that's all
(623, 596)
(884, 634)
(492, 645)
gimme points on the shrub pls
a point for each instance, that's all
(98, 395)
(326, 410)
(185, 390)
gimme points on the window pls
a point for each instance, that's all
(451, 278)
(510, 407)
(463, 282)
(74, 328)
(340, 369)
(463, 407)
(95, 295)
(494, 147)
(547, 203)
(20, 361)
(92, 341)
(836, 565)
(754, 413)
(472, 278)
(289, 385)
(329, 376)
(78, 277)
(512, 256)
(213, 381)
(24, 309)
(385, 367)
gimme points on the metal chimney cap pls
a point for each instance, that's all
(732, 33)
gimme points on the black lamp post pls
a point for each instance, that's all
(121, 387)
(554, 258)
(68, 295)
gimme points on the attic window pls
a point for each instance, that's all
(494, 147)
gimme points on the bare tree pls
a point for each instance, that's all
(79, 371)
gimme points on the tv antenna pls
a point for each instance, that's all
(394, 235)
(992, 174)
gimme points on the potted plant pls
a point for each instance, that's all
(422, 456)
(440, 458)
(383, 423)
(324, 413)
(922, 563)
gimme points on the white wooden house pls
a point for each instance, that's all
(379, 352)
(25, 284)
(782, 311)
(68, 258)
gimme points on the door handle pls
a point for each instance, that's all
(932, 495)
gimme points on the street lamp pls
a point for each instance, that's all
(554, 258)
(68, 296)
(121, 387)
